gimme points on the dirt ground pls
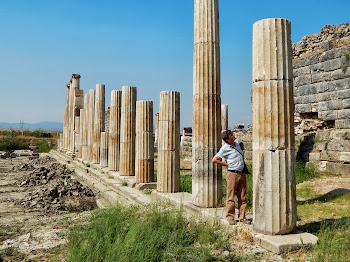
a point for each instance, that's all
(38, 200)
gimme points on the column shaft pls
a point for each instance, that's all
(86, 127)
(99, 121)
(114, 131)
(168, 171)
(274, 192)
(206, 176)
(81, 131)
(127, 131)
(91, 124)
(104, 150)
(66, 120)
(144, 142)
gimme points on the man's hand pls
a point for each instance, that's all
(217, 160)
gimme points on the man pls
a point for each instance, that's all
(236, 179)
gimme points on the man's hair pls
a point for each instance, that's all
(225, 135)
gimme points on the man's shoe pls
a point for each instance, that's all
(232, 222)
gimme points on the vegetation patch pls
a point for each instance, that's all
(153, 234)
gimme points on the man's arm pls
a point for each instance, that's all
(217, 160)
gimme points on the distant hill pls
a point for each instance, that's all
(53, 126)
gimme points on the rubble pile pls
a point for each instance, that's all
(54, 188)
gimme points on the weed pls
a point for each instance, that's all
(87, 164)
(147, 191)
(110, 177)
(125, 183)
(347, 57)
(344, 68)
(186, 183)
(122, 233)
(303, 173)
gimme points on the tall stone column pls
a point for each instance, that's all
(206, 176)
(66, 120)
(81, 131)
(127, 131)
(77, 104)
(156, 130)
(91, 124)
(104, 150)
(168, 171)
(114, 131)
(86, 127)
(144, 142)
(70, 128)
(76, 134)
(99, 121)
(224, 121)
(274, 193)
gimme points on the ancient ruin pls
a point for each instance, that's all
(144, 142)
(114, 131)
(99, 121)
(91, 124)
(206, 176)
(274, 192)
(127, 131)
(168, 171)
(85, 127)
(104, 150)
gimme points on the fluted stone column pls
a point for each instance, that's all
(168, 171)
(86, 127)
(91, 124)
(99, 121)
(104, 150)
(66, 120)
(224, 120)
(76, 134)
(60, 142)
(70, 127)
(156, 130)
(206, 176)
(77, 104)
(127, 131)
(144, 142)
(274, 193)
(81, 131)
(114, 131)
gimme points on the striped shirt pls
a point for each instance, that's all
(233, 157)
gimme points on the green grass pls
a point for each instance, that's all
(151, 234)
(333, 243)
(304, 173)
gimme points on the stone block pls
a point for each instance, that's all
(248, 155)
(321, 146)
(314, 156)
(344, 114)
(332, 65)
(329, 156)
(298, 99)
(345, 103)
(321, 77)
(336, 145)
(335, 104)
(317, 68)
(302, 80)
(326, 96)
(344, 157)
(314, 107)
(324, 136)
(286, 243)
(342, 123)
(327, 115)
(302, 108)
(342, 84)
(247, 146)
(338, 52)
(302, 62)
(338, 168)
(343, 94)
(310, 99)
(329, 86)
(301, 71)
(340, 74)
(323, 106)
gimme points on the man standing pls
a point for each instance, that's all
(236, 179)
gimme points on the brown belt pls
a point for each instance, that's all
(235, 171)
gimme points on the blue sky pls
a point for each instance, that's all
(145, 43)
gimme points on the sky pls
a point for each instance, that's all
(142, 43)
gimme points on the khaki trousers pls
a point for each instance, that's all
(236, 183)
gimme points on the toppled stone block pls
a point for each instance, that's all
(338, 168)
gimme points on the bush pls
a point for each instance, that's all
(304, 173)
(186, 183)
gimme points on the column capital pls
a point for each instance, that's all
(76, 76)
(67, 85)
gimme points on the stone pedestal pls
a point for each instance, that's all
(91, 124)
(86, 127)
(104, 150)
(114, 131)
(127, 131)
(168, 171)
(99, 121)
(144, 142)
(274, 192)
(206, 176)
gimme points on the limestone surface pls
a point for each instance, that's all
(99, 121)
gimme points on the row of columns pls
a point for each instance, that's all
(274, 204)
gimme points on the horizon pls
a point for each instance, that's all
(145, 44)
